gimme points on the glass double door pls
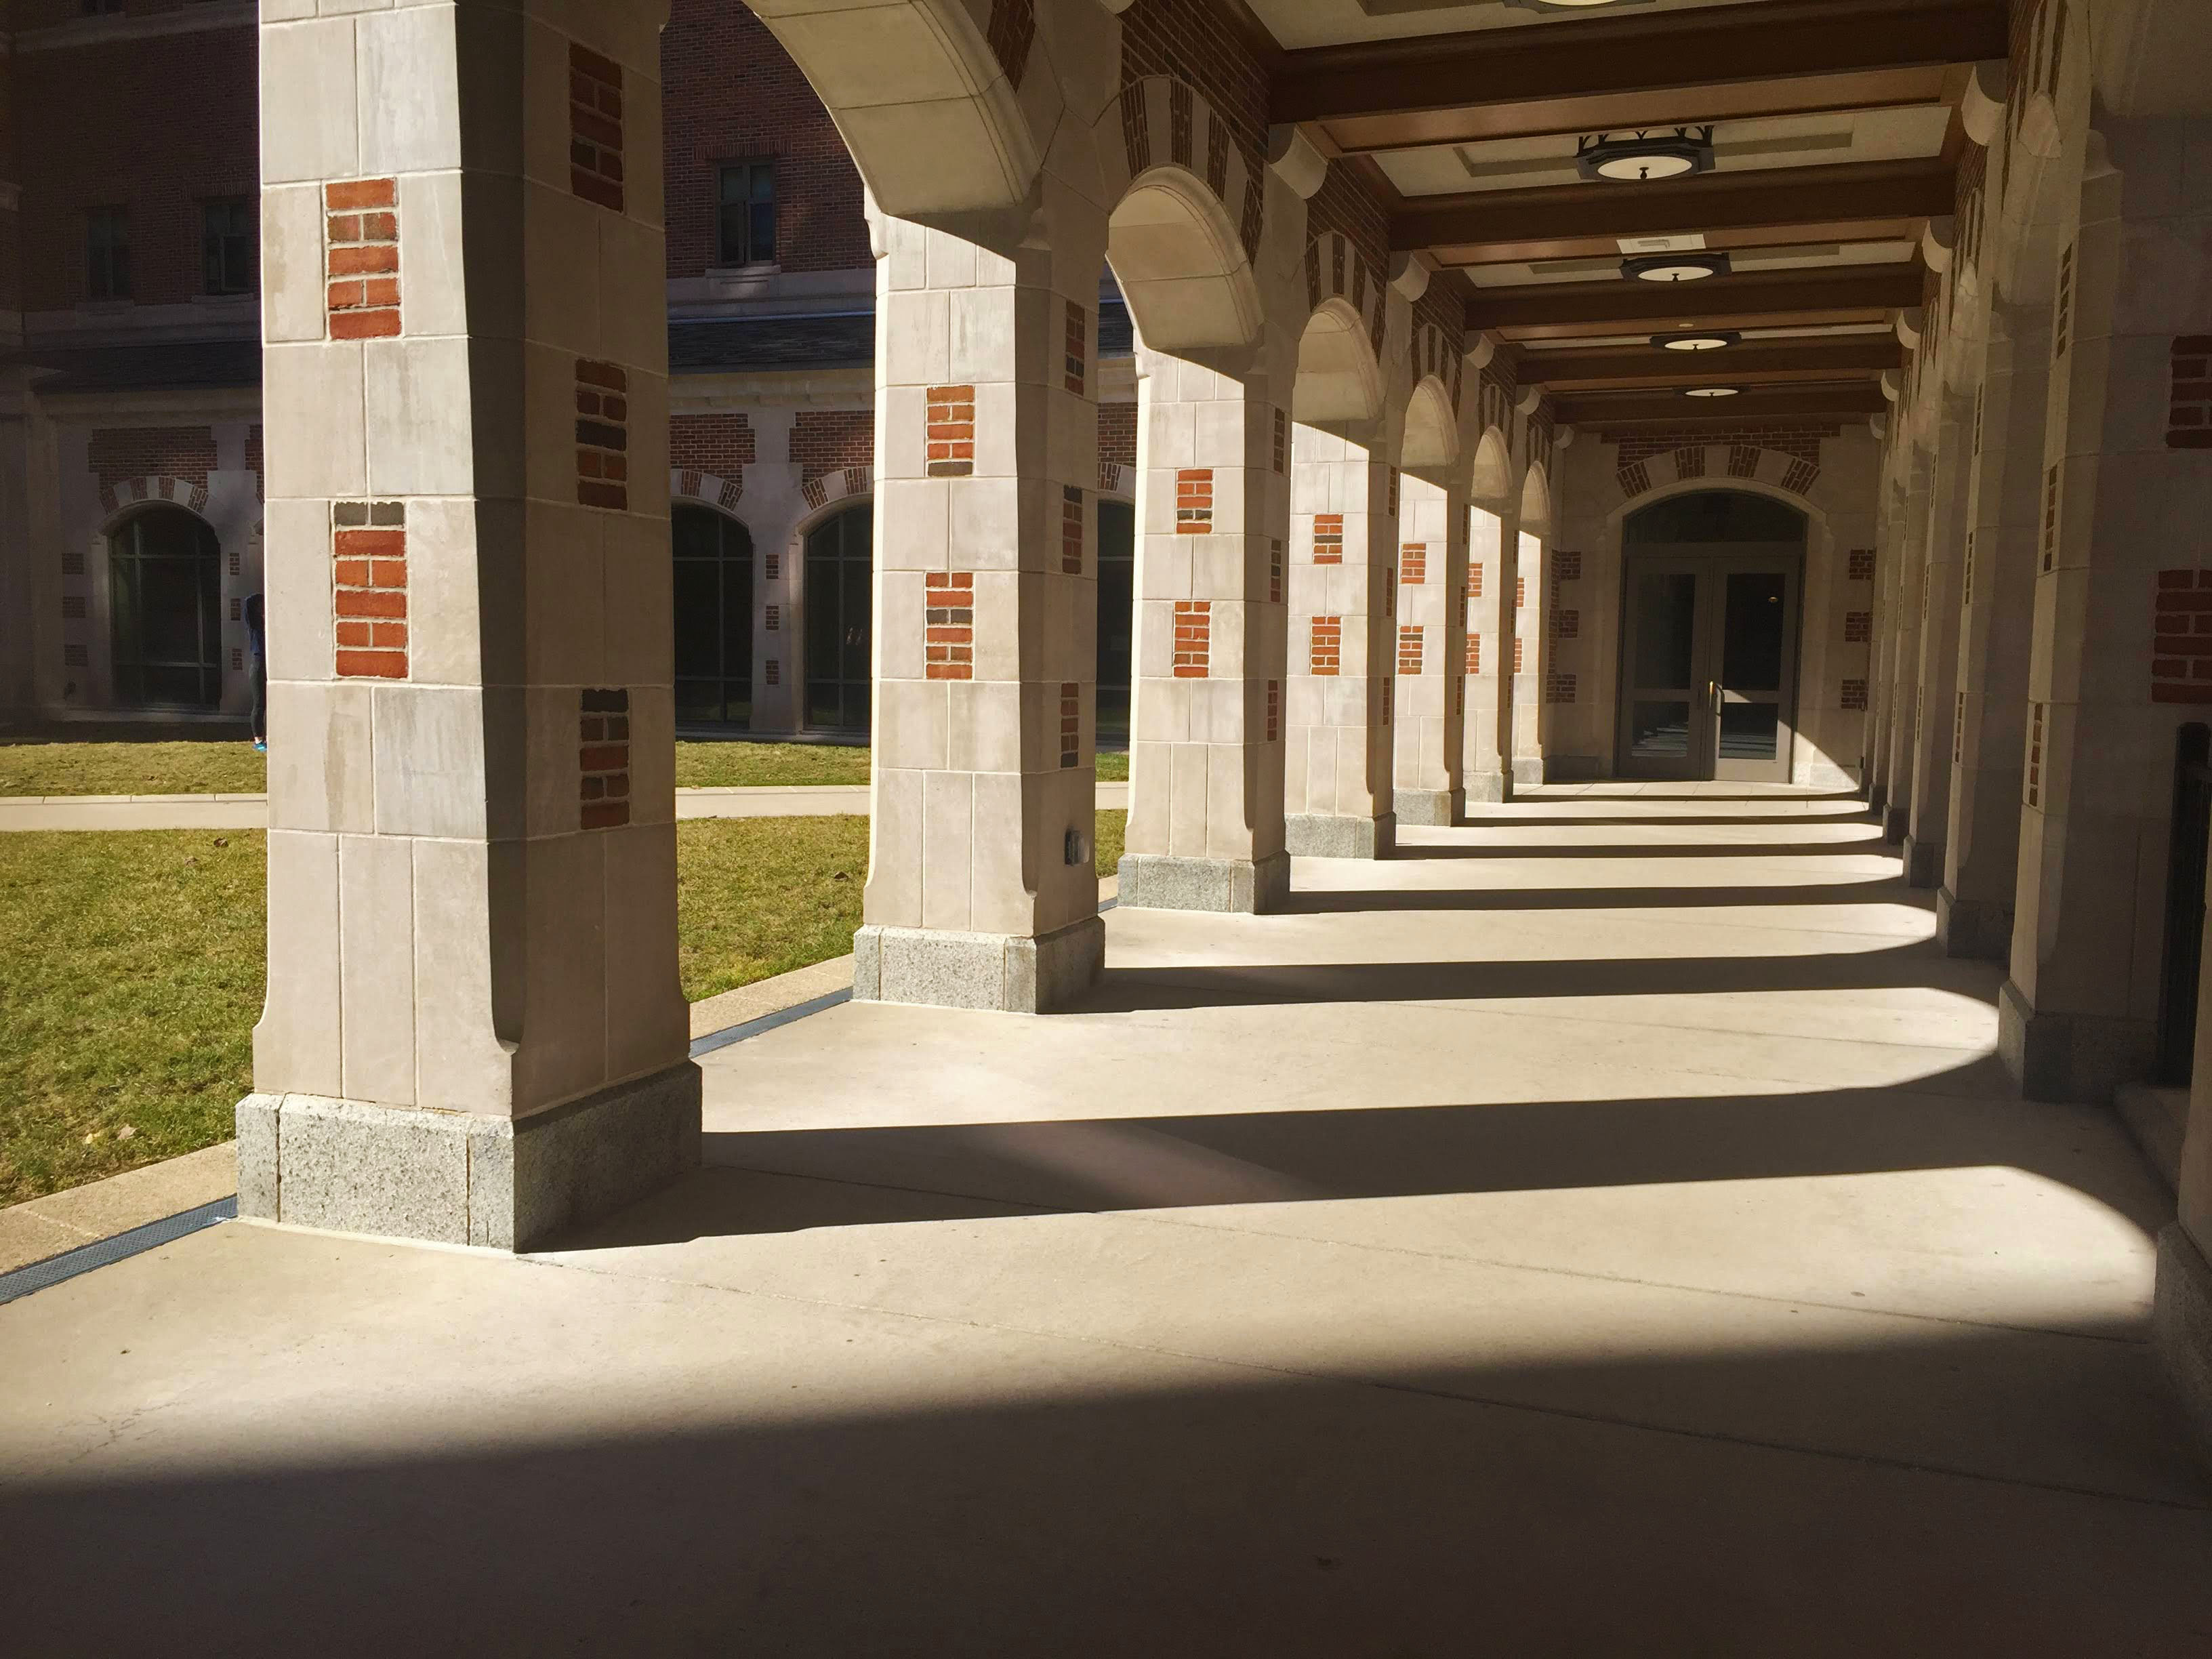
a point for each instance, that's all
(1710, 664)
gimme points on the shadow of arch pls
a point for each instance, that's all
(1340, 383)
(1432, 435)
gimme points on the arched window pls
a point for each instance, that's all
(714, 618)
(840, 608)
(166, 571)
(1117, 589)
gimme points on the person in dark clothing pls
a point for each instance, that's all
(257, 634)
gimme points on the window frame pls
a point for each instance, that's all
(246, 228)
(752, 167)
(107, 267)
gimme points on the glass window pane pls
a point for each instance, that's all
(762, 231)
(1752, 640)
(1665, 624)
(1660, 730)
(1750, 731)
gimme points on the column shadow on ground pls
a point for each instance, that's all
(1876, 889)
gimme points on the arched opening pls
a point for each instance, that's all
(1178, 263)
(840, 616)
(1711, 589)
(166, 577)
(1432, 439)
(1117, 594)
(714, 585)
(1339, 382)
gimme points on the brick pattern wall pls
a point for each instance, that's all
(1076, 355)
(1559, 688)
(1195, 41)
(1117, 438)
(117, 454)
(361, 224)
(1567, 624)
(1520, 650)
(595, 128)
(1474, 652)
(2034, 779)
(1071, 520)
(825, 440)
(1328, 538)
(951, 431)
(1409, 648)
(1280, 450)
(723, 445)
(1854, 694)
(255, 458)
(602, 434)
(1862, 564)
(1070, 723)
(1325, 653)
(731, 94)
(2181, 646)
(2050, 517)
(1194, 501)
(1520, 592)
(1858, 626)
(1413, 564)
(1194, 638)
(603, 757)
(1567, 567)
(368, 589)
(1798, 442)
(950, 621)
(2189, 419)
(1274, 570)
(1275, 710)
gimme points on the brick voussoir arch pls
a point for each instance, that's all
(1162, 122)
(691, 484)
(840, 484)
(1117, 480)
(119, 497)
(1336, 270)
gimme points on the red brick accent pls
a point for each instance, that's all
(1475, 579)
(73, 607)
(1474, 653)
(1409, 649)
(1194, 638)
(1520, 646)
(1520, 592)
(603, 757)
(1275, 710)
(1559, 687)
(595, 128)
(772, 622)
(1274, 570)
(1070, 723)
(1800, 477)
(2035, 753)
(1959, 729)
(124, 455)
(1071, 517)
(2188, 421)
(1862, 564)
(1194, 501)
(2065, 307)
(602, 434)
(360, 227)
(1117, 438)
(1200, 44)
(1012, 30)
(1073, 370)
(1383, 698)
(1325, 653)
(1328, 538)
(254, 459)
(1633, 480)
(1855, 694)
(1858, 626)
(774, 675)
(1567, 567)
(368, 589)
(772, 566)
(1414, 563)
(1392, 491)
(2050, 517)
(951, 431)
(950, 626)
(1689, 462)
(1282, 444)
(2181, 648)
(1567, 624)
(1744, 439)
(1743, 460)
(723, 445)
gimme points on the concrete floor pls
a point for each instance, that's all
(1601, 1232)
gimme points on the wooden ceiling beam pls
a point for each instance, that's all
(1830, 402)
(1632, 307)
(1488, 226)
(1566, 372)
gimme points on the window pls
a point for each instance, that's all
(745, 232)
(714, 618)
(107, 254)
(165, 568)
(840, 613)
(227, 241)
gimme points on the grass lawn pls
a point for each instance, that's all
(233, 768)
(133, 1008)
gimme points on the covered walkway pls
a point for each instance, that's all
(1603, 1229)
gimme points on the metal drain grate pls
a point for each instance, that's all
(83, 1259)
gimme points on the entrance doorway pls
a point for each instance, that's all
(841, 574)
(714, 618)
(1710, 593)
(165, 566)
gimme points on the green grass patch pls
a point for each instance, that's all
(759, 765)
(128, 1002)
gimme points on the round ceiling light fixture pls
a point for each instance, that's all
(1675, 267)
(1572, 5)
(1711, 391)
(1635, 158)
(1709, 339)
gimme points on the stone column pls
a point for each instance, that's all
(1930, 815)
(1343, 640)
(2122, 651)
(1525, 657)
(1488, 740)
(981, 891)
(1902, 654)
(1973, 907)
(474, 1030)
(1206, 818)
(1430, 707)
(2181, 1311)
(1874, 784)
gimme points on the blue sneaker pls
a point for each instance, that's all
(261, 745)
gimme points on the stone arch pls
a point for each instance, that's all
(1339, 382)
(118, 500)
(705, 489)
(927, 95)
(1190, 204)
(1536, 502)
(1746, 464)
(1177, 257)
(1816, 517)
(1491, 485)
(1431, 440)
(826, 490)
(1336, 272)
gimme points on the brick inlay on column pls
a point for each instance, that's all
(1275, 710)
(949, 620)
(361, 223)
(602, 434)
(1194, 501)
(1274, 570)
(1958, 730)
(1567, 624)
(1520, 592)
(1194, 638)
(1326, 651)
(1475, 579)
(773, 619)
(2188, 421)
(1409, 648)
(1070, 723)
(603, 757)
(1328, 538)
(1858, 626)
(2050, 517)
(1071, 529)
(951, 419)
(1559, 687)
(1855, 694)
(1966, 580)
(1473, 654)
(2065, 307)
(1567, 567)
(1414, 563)
(1282, 448)
(368, 589)
(775, 676)
(1519, 652)
(1862, 564)
(2181, 649)
(595, 128)
(1077, 356)
(2035, 754)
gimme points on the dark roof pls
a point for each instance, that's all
(702, 346)
(153, 367)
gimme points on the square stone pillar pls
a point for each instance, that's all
(1343, 643)
(2122, 633)
(1487, 739)
(1430, 710)
(474, 1030)
(1941, 564)
(1525, 656)
(1213, 494)
(1874, 781)
(1902, 654)
(982, 889)
(1973, 907)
